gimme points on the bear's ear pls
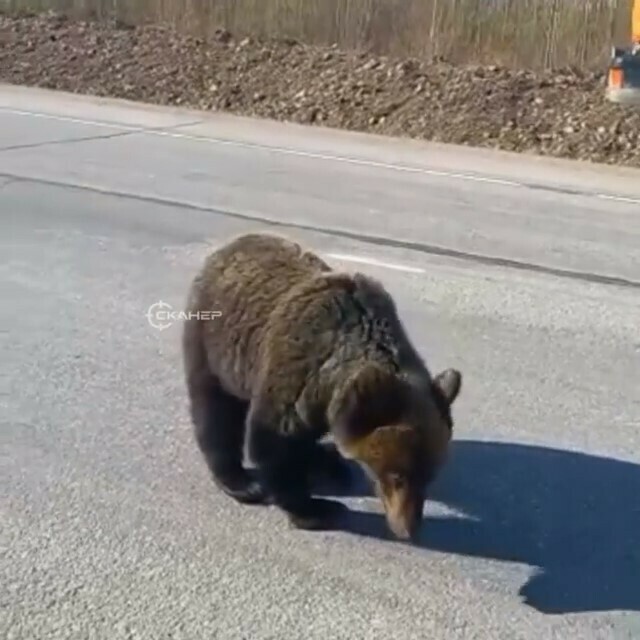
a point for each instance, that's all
(448, 383)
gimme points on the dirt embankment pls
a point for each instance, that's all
(556, 113)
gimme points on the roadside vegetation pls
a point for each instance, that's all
(532, 34)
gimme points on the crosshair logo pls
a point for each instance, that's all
(159, 316)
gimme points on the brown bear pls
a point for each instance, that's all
(301, 351)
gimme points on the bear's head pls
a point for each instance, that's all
(398, 430)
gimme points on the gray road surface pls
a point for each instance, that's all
(524, 273)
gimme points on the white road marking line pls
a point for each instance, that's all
(604, 196)
(95, 123)
(334, 158)
(375, 263)
(294, 152)
(282, 150)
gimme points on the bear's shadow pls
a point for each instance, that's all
(572, 516)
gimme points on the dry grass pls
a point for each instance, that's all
(524, 33)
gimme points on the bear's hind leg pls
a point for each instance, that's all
(219, 422)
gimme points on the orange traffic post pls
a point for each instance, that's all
(616, 78)
(635, 22)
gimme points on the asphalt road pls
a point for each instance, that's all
(523, 273)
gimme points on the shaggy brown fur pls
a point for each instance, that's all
(298, 352)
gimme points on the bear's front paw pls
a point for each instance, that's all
(253, 493)
(317, 514)
(242, 487)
